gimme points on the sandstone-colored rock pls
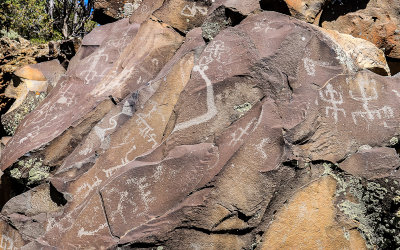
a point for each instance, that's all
(365, 54)
(183, 15)
(308, 222)
(374, 21)
(30, 73)
(306, 10)
(33, 82)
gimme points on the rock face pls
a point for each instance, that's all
(376, 21)
(229, 129)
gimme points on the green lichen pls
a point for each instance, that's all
(15, 173)
(370, 206)
(37, 174)
(243, 108)
(33, 170)
(394, 141)
(211, 29)
(396, 199)
(11, 120)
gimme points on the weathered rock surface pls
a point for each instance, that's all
(270, 133)
(29, 87)
(376, 21)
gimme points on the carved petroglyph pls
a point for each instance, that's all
(121, 42)
(145, 130)
(334, 98)
(98, 57)
(6, 243)
(261, 26)
(145, 195)
(83, 232)
(365, 97)
(310, 65)
(125, 160)
(238, 134)
(260, 147)
(120, 207)
(88, 187)
(213, 52)
(113, 80)
(191, 11)
(158, 173)
(396, 92)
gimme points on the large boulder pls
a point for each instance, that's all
(254, 137)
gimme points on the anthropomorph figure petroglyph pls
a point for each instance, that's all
(334, 98)
(238, 134)
(366, 97)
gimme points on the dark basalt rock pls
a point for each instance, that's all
(157, 138)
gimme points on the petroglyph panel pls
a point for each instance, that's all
(60, 109)
(367, 93)
(163, 184)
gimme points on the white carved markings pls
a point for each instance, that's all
(396, 92)
(260, 147)
(88, 188)
(123, 199)
(7, 243)
(310, 65)
(83, 232)
(367, 93)
(91, 72)
(145, 195)
(192, 10)
(334, 98)
(238, 134)
(213, 52)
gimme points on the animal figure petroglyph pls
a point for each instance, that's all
(191, 11)
(213, 52)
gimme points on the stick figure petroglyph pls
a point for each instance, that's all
(365, 98)
(238, 134)
(334, 98)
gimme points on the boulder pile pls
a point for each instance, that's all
(209, 125)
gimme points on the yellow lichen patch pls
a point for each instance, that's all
(308, 222)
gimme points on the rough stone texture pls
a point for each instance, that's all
(106, 11)
(364, 53)
(308, 222)
(306, 10)
(183, 15)
(376, 21)
(29, 88)
(162, 139)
